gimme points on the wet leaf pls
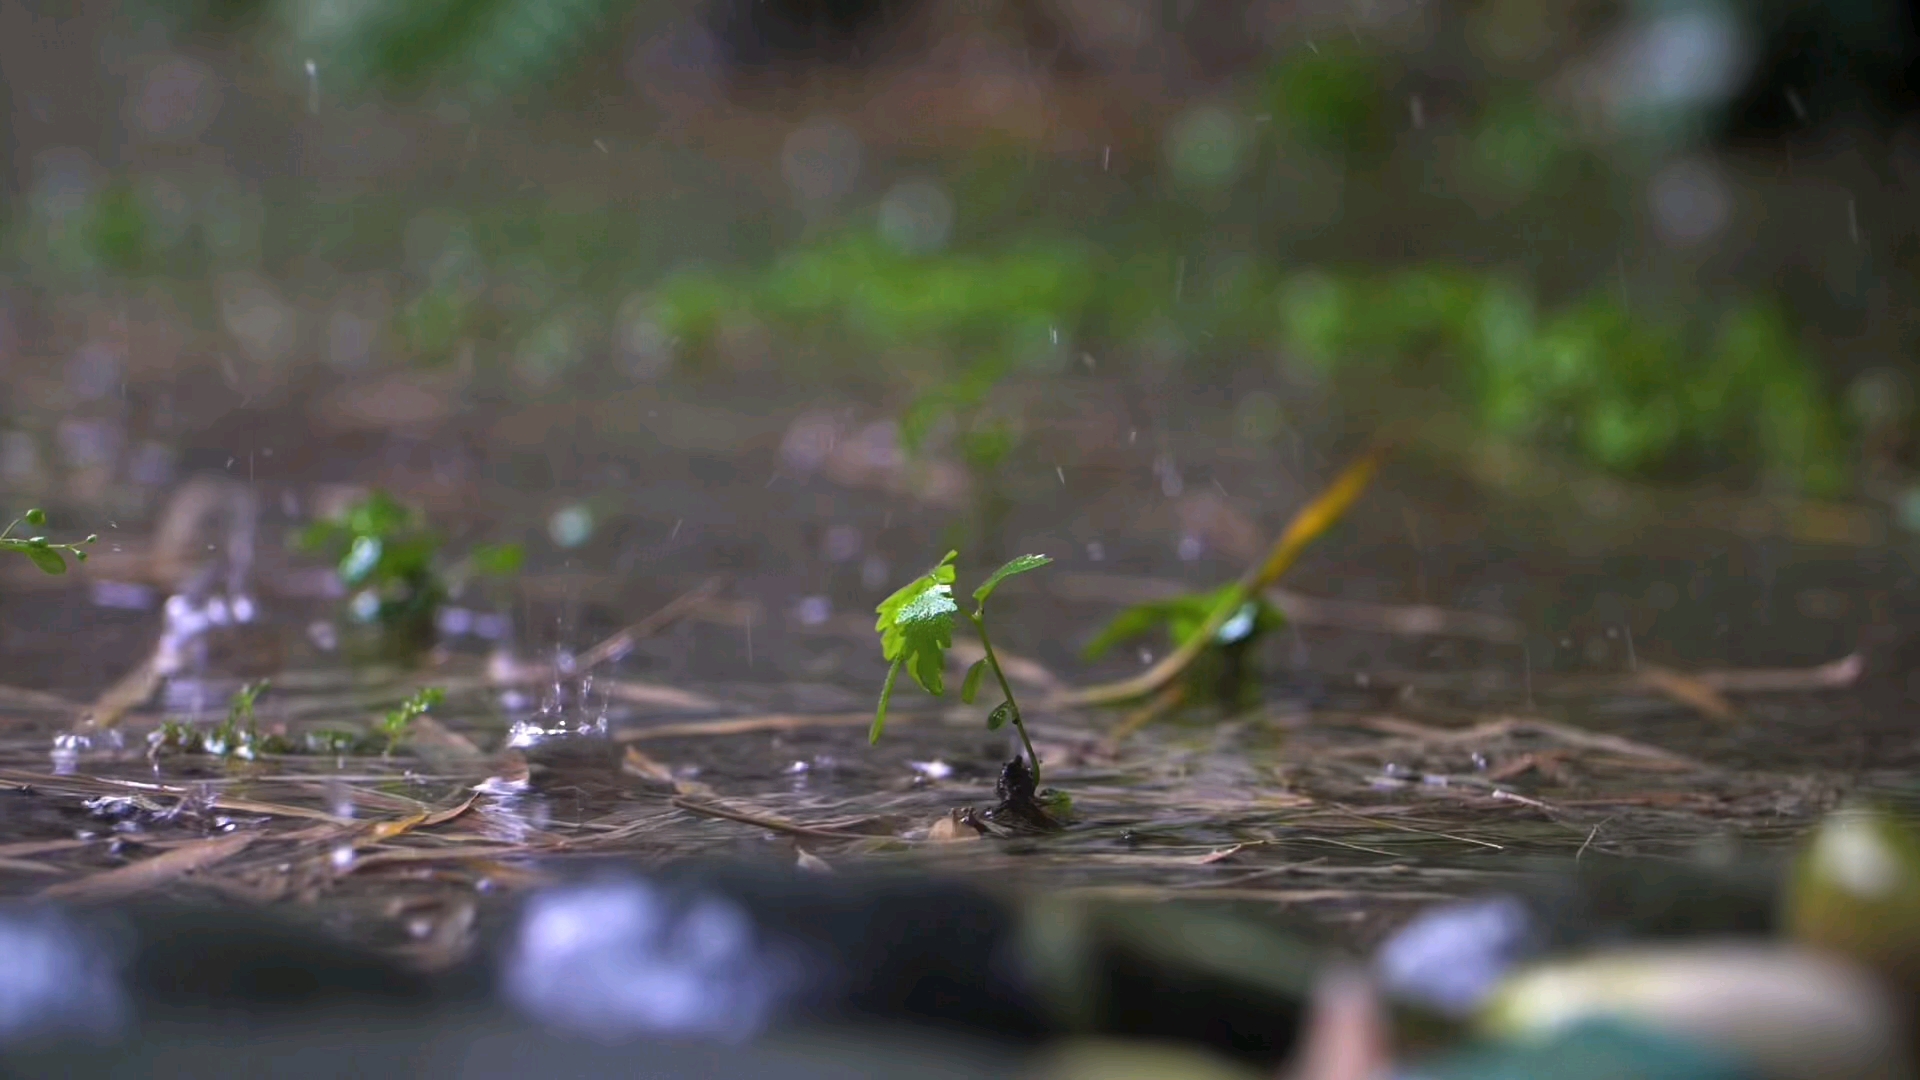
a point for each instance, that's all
(35, 516)
(916, 629)
(999, 717)
(970, 686)
(44, 557)
(150, 873)
(1018, 565)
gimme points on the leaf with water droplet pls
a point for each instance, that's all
(1018, 565)
(916, 624)
(998, 718)
(916, 629)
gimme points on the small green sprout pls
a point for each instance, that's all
(916, 629)
(393, 726)
(43, 553)
(236, 736)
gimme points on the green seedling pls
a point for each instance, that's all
(916, 630)
(236, 736)
(390, 561)
(1223, 670)
(42, 552)
(393, 726)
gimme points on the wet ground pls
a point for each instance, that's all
(1485, 666)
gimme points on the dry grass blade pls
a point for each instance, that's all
(254, 806)
(1308, 525)
(763, 821)
(133, 690)
(636, 763)
(152, 873)
(387, 830)
(621, 643)
(642, 693)
(1691, 692)
(743, 725)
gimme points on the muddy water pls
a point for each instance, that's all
(1472, 680)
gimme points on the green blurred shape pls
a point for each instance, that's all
(431, 324)
(1331, 95)
(117, 233)
(1631, 394)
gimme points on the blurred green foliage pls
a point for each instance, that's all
(389, 559)
(1632, 394)
(1214, 254)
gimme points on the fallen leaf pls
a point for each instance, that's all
(387, 830)
(639, 764)
(150, 873)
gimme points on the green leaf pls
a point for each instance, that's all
(970, 686)
(886, 695)
(35, 516)
(926, 626)
(1018, 565)
(998, 718)
(916, 624)
(889, 609)
(44, 557)
(1180, 615)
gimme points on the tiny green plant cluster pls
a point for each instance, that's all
(393, 727)
(1223, 671)
(238, 734)
(44, 553)
(916, 630)
(390, 560)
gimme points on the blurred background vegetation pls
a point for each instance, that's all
(1669, 241)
